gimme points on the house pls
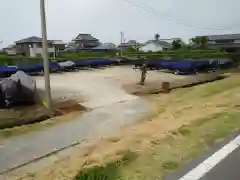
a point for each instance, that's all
(229, 42)
(170, 40)
(130, 43)
(59, 45)
(155, 45)
(32, 47)
(104, 47)
(10, 50)
(85, 41)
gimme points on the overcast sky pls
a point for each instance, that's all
(104, 19)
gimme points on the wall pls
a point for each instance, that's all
(151, 47)
(35, 50)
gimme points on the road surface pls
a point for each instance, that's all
(222, 162)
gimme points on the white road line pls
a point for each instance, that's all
(212, 161)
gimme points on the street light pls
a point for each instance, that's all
(45, 55)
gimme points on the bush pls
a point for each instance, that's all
(86, 54)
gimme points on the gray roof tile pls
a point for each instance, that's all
(159, 42)
(224, 37)
(32, 39)
(86, 37)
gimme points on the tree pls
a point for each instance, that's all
(199, 41)
(177, 44)
(131, 49)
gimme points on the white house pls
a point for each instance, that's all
(154, 46)
(32, 47)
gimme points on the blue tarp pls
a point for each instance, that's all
(188, 65)
(34, 68)
(94, 62)
(8, 69)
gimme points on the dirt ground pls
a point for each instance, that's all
(100, 87)
(171, 111)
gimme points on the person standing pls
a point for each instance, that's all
(143, 74)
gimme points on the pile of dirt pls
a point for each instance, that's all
(67, 107)
(154, 87)
(24, 115)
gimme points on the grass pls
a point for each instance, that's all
(167, 154)
(171, 153)
(107, 171)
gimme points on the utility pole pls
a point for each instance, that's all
(121, 49)
(45, 55)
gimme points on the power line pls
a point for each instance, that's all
(166, 16)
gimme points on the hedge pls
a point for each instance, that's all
(196, 54)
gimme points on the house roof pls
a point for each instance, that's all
(10, 46)
(159, 43)
(86, 37)
(105, 46)
(224, 37)
(32, 39)
(130, 43)
(58, 42)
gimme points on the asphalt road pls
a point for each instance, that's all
(228, 169)
(221, 162)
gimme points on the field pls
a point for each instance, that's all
(182, 125)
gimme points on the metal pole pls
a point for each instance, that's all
(121, 49)
(45, 55)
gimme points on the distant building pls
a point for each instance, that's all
(59, 45)
(170, 40)
(32, 47)
(229, 42)
(85, 41)
(131, 43)
(155, 46)
(104, 47)
(10, 50)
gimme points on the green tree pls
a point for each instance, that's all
(177, 44)
(199, 41)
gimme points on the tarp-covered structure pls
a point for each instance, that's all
(94, 62)
(67, 65)
(18, 89)
(185, 65)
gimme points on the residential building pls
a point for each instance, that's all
(229, 42)
(32, 47)
(170, 40)
(155, 46)
(59, 45)
(85, 41)
(104, 47)
(130, 43)
(10, 50)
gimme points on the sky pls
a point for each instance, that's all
(105, 19)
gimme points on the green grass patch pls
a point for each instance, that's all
(108, 171)
(170, 165)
